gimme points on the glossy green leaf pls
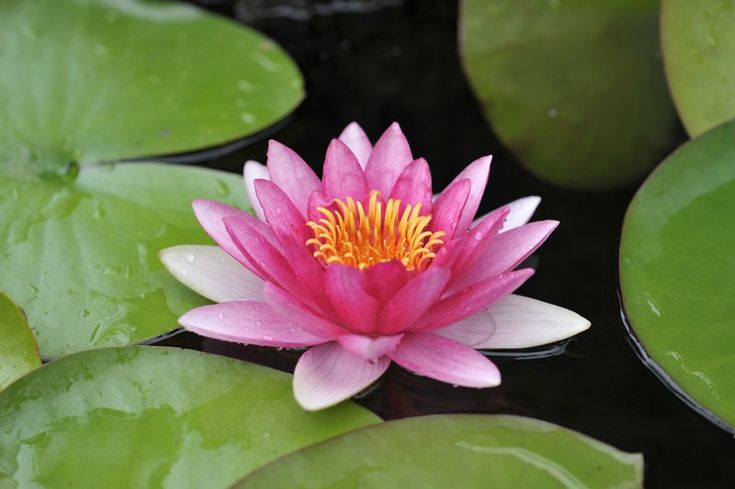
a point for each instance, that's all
(698, 42)
(467, 451)
(153, 417)
(88, 81)
(677, 269)
(18, 349)
(100, 80)
(81, 258)
(574, 88)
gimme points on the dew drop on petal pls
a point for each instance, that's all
(189, 257)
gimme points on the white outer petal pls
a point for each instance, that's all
(212, 273)
(521, 211)
(251, 172)
(472, 331)
(522, 322)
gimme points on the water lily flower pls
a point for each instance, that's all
(366, 267)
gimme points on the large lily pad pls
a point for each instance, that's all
(98, 80)
(18, 349)
(467, 451)
(575, 88)
(698, 42)
(88, 81)
(677, 270)
(81, 258)
(153, 417)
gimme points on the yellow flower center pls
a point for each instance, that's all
(351, 236)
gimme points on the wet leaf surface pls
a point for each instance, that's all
(698, 41)
(575, 89)
(18, 349)
(455, 451)
(153, 417)
(677, 270)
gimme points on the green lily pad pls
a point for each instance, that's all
(698, 43)
(81, 258)
(88, 81)
(468, 451)
(153, 417)
(677, 270)
(99, 80)
(18, 349)
(574, 88)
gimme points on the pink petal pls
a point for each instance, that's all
(368, 347)
(471, 331)
(481, 234)
(211, 216)
(472, 299)
(502, 253)
(291, 231)
(251, 172)
(345, 287)
(328, 374)
(448, 254)
(412, 301)
(282, 216)
(292, 174)
(267, 261)
(414, 186)
(248, 322)
(356, 139)
(448, 207)
(520, 212)
(522, 322)
(388, 159)
(477, 173)
(317, 199)
(292, 309)
(342, 175)
(385, 279)
(445, 360)
(212, 273)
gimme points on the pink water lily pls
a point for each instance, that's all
(366, 266)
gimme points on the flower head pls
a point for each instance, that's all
(365, 267)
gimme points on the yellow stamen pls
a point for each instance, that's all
(351, 236)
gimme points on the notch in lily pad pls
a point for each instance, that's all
(101, 82)
(18, 349)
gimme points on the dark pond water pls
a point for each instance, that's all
(398, 61)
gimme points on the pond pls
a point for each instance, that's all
(378, 61)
